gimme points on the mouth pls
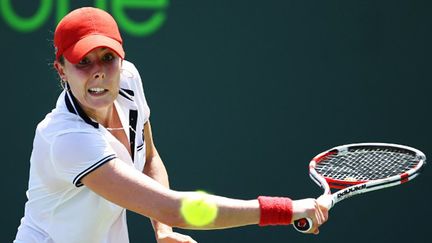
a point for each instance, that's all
(97, 91)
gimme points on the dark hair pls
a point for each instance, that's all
(61, 60)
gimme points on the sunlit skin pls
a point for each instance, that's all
(149, 194)
(99, 69)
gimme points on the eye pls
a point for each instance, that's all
(85, 61)
(108, 57)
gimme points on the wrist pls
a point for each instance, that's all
(275, 210)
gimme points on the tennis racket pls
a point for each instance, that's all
(363, 167)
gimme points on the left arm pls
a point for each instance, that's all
(155, 168)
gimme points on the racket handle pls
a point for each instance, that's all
(303, 225)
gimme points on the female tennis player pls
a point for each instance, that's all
(93, 155)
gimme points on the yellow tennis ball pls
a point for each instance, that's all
(198, 210)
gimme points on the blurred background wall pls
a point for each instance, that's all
(243, 94)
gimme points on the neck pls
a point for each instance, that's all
(103, 116)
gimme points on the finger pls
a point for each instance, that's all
(324, 211)
(326, 214)
(318, 215)
(192, 240)
(189, 239)
(325, 201)
(321, 215)
(315, 223)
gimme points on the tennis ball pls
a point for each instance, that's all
(198, 210)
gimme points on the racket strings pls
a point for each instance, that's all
(366, 164)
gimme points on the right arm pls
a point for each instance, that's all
(131, 189)
(149, 198)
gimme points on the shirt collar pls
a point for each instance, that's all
(126, 96)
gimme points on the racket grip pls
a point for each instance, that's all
(303, 225)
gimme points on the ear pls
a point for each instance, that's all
(60, 70)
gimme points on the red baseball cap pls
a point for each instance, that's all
(85, 29)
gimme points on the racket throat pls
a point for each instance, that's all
(350, 191)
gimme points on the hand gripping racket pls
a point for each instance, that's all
(358, 168)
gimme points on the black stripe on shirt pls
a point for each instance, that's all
(77, 181)
(74, 107)
(126, 93)
(133, 116)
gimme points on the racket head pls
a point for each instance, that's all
(366, 163)
(362, 167)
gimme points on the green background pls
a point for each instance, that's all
(243, 94)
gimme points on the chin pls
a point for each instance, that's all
(99, 103)
(102, 105)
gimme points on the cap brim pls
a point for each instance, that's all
(77, 52)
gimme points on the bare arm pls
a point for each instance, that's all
(149, 194)
(149, 198)
(155, 169)
(154, 166)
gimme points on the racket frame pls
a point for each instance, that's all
(351, 188)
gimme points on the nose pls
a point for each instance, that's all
(99, 75)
